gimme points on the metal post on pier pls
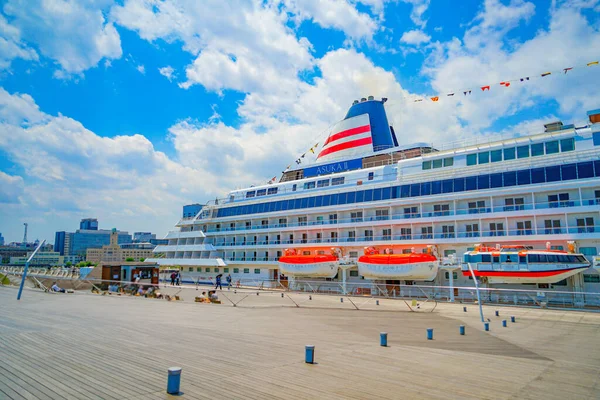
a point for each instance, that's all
(26, 268)
(477, 291)
(451, 277)
(344, 280)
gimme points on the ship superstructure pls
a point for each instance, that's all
(368, 190)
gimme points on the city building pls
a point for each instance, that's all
(140, 237)
(88, 224)
(1, 239)
(78, 242)
(7, 252)
(114, 252)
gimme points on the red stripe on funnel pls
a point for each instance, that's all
(347, 145)
(348, 132)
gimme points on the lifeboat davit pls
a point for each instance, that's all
(521, 264)
(314, 265)
(412, 266)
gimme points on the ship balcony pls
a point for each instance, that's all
(433, 214)
(511, 234)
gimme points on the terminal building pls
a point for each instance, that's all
(77, 243)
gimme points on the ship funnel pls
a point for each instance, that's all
(365, 129)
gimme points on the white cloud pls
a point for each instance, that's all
(419, 7)
(11, 46)
(141, 69)
(415, 37)
(74, 34)
(235, 42)
(167, 72)
(337, 14)
(11, 188)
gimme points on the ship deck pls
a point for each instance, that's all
(107, 347)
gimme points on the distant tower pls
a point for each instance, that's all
(25, 234)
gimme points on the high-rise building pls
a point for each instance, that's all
(77, 243)
(89, 224)
(1, 239)
(140, 237)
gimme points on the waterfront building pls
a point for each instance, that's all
(1, 239)
(88, 224)
(140, 237)
(115, 252)
(368, 190)
(77, 243)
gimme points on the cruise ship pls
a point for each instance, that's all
(375, 207)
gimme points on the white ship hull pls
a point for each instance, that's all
(424, 271)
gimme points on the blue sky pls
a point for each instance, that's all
(127, 110)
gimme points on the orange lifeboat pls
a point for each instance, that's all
(292, 263)
(411, 266)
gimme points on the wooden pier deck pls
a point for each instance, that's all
(83, 346)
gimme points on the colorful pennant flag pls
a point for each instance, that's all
(592, 63)
(546, 74)
(567, 69)
(450, 94)
(505, 84)
(467, 92)
(525, 79)
(484, 88)
(416, 101)
(436, 98)
(312, 150)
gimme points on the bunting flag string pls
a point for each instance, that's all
(505, 83)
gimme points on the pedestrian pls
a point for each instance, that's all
(173, 276)
(178, 279)
(229, 282)
(218, 285)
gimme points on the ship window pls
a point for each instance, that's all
(538, 175)
(272, 191)
(524, 177)
(337, 181)
(591, 278)
(486, 258)
(354, 273)
(426, 164)
(250, 194)
(471, 183)
(309, 185)
(552, 258)
(437, 163)
(236, 270)
(369, 195)
(496, 180)
(471, 159)
(261, 192)
(405, 191)
(509, 154)
(585, 170)
(448, 162)
(294, 186)
(257, 270)
(447, 186)
(496, 155)
(436, 187)
(246, 270)
(509, 178)
(567, 144)
(207, 269)
(543, 258)
(483, 182)
(371, 176)
(537, 149)
(484, 157)
(533, 258)
(562, 258)
(386, 194)
(568, 172)
(459, 184)
(553, 174)
(323, 183)
(226, 270)
(523, 151)
(552, 147)
(306, 253)
(415, 190)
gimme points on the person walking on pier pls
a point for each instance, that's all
(178, 279)
(218, 285)
(173, 276)
(228, 282)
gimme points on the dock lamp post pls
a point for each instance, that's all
(26, 268)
